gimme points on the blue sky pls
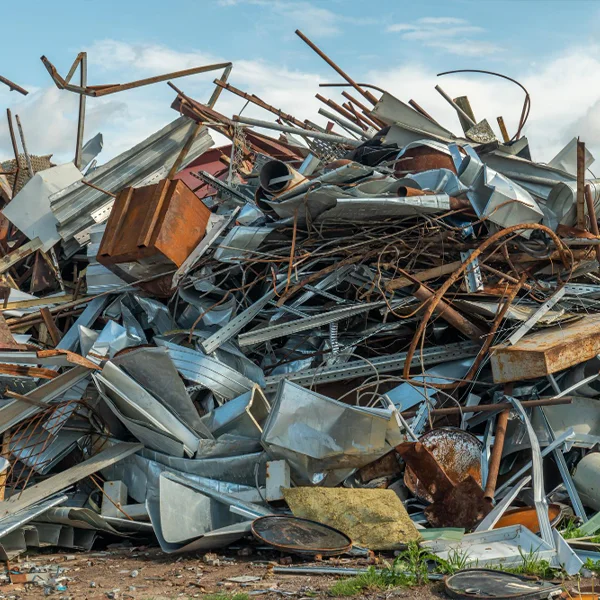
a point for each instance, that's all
(549, 45)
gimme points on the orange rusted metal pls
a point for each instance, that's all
(152, 228)
(547, 351)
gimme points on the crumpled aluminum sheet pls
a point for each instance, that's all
(186, 514)
(316, 434)
(112, 339)
(136, 403)
(214, 375)
(154, 370)
(140, 473)
(243, 416)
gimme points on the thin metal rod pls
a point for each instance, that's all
(303, 132)
(498, 407)
(259, 102)
(343, 74)
(422, 111)
(455, 106)
(342, 111)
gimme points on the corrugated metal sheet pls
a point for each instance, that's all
(144, 164)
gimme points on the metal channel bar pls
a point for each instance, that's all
(383, 364)
(276, 331)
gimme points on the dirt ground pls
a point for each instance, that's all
(148, 574)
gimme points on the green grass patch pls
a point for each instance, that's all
(353, 586)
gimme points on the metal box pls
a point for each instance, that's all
(152, 229)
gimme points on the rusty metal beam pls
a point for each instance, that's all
(335, 67)
(82, 60)
(104, 90)
(259, 102)
(13, 141)
(13, 86)
(449, 314)
(25, 152)
(580, 185)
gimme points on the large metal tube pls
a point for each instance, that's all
(451, 316)
(276, 177)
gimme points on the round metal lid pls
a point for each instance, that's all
(479, 584)
(300, 536)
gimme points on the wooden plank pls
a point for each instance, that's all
(22, 304)
(6, 262)
(53, 330)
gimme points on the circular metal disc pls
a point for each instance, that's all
(479, 584)
(300, 536)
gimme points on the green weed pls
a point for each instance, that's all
(353, 586)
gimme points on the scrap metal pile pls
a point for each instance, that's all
(377, 326)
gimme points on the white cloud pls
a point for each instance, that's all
(449, 34)
(562, 106)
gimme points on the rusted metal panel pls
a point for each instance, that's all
(167, 221)
(547, 351)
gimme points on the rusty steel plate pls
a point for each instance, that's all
(300, 536)
(457, 452)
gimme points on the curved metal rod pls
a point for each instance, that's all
(526, 104)
(367, 85)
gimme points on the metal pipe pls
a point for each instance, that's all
(351, 81)
(446, 312)
(342, 122)
(335, 106)
(81, 117)
(13, 86)
(338, 139)
(455, 106)
(490, 408)
(592, 215)
(366, 112)
(422, 111)
(496, 456)
(335, 571)
(256, 100)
